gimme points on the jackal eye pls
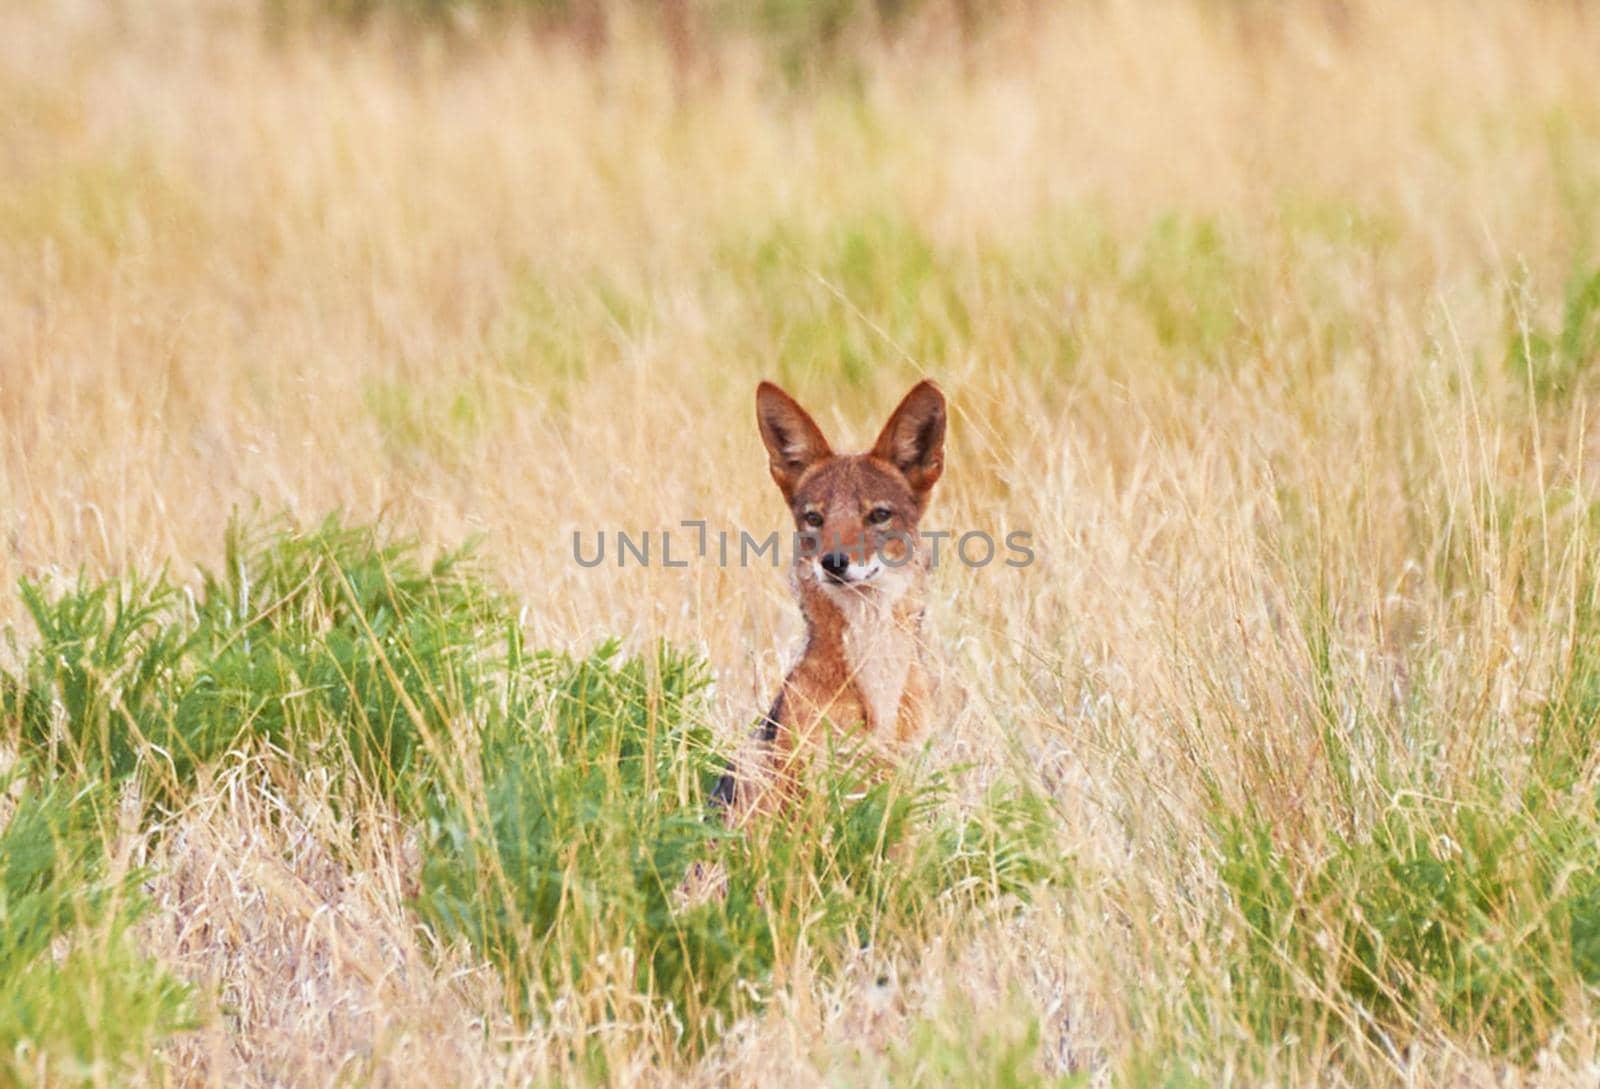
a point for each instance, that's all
(813, 518)
(879, 515)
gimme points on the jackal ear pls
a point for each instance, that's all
(913, 439)
(794, 441)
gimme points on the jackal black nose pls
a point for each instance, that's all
(835, 564)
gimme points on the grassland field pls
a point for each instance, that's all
(322, 762)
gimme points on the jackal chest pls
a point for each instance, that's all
(879, 657)
(861, 658)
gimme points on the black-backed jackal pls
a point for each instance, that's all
(860, 583)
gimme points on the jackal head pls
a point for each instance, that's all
(857, 514)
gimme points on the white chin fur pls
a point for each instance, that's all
(873, 580)
(856, 574)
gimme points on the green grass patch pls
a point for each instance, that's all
(549, 333)
(866, 293)
(1189, 285)
(1484, 916)
(1553, 360)
(78, 1002)
(963, 1046)
(329, 645)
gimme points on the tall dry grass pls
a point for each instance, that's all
(1269, 323)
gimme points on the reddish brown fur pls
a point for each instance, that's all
(861, 666)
